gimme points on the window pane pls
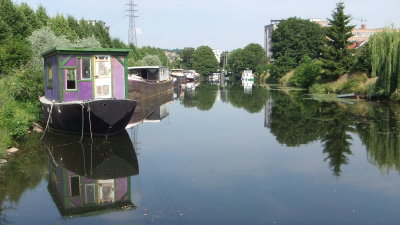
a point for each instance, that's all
(49, 76)
(75, 188)
(103, 68)
(86, 68)
(71, 82)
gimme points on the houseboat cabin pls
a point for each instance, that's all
(149, 73)
(91, 79)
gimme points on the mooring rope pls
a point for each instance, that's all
(90, 122)
(48, 119)
(83, 120)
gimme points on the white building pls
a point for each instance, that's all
(268, 30)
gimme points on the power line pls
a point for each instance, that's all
(132, 38)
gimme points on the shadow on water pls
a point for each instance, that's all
(89, 178)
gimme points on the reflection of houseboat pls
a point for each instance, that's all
(148, 81)
(148, 107)
(248, 75)
(248, 86)
(86, 90)
(84, 183)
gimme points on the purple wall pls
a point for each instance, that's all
(54, 93)
(118, 78)
(70, 96)
(121, 188)
(85, 90)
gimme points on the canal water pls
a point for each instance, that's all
(219, 154)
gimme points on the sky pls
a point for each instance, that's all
(220, 24)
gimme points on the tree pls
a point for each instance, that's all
(254, 55)
(236, 62)
(42, 17)
(187, 58)
(385, 60)
(117, 43)
(204, 61)
(296, 38)
(151, 60)
(249, 57)
(60, 26)
(336, 56)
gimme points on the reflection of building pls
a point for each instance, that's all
(268, 112)
(91, 177)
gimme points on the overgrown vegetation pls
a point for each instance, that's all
(385, 61)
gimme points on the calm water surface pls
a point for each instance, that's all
(217, 155)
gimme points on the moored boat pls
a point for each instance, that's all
(247, 75)
(86, 91)
(148, 81)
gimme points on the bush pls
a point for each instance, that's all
(305, 75)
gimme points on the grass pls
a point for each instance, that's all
(357, 83)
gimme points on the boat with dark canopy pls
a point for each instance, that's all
(86, 90)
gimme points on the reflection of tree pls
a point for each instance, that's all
(252, 103)
(336, 145)
(297, 121)
(293, 120)
(203, 97)
(22, 173)
(381, 137)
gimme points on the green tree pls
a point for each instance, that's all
(337, 57)
(30, 17)
(14, 18)
(236, 62)
(204, 61)
(43, 40)
(151, 60)
(60, 26)
(363, 60)
(117, 43)
(385, 60)
(254, 55)
(42, 17)
(187, 58)
(296, 38)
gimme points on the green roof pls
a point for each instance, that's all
(87, 51)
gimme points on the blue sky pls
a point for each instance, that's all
(221, 24)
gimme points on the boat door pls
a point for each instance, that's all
(102, 77)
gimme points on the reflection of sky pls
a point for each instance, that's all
(224, 167)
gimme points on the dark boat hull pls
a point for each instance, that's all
(97, 117)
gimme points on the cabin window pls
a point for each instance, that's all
(86, 69)
(71, 79)
(75, 187)
(103, 66)
(49, 75)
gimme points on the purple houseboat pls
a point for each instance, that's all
(86, 90)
